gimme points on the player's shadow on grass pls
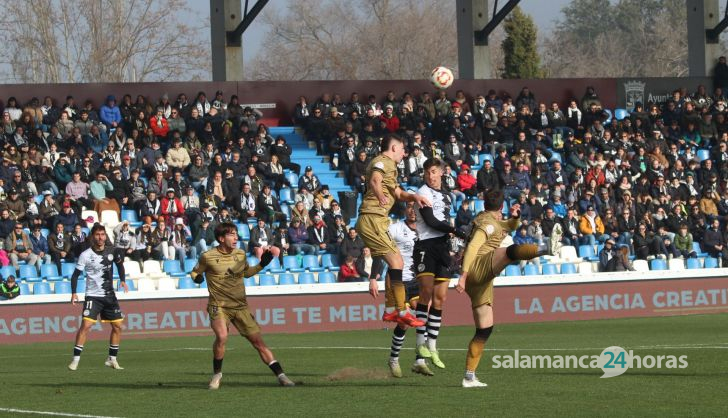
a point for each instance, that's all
(256, 374)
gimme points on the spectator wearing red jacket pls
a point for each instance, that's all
(348, 272)
(466, 181)
(390, 119)
(171, 207)
(159, 124)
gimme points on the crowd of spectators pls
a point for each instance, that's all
(652, 182)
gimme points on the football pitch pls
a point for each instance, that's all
(346, 374)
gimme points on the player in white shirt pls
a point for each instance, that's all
(404, 235)
(432, 258)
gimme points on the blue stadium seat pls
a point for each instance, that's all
(330, 262)
(306, 278)
(253, 260)
(286, 278)
(24, 289)
(698, 250)
(586, 251)
(568, 268)
(171, 267)
(189, 264)
(50, 272)
(703, 154)
(45, 232)
(549, 269)
(249, 282)
(185, 282)
(29, 273)
(311, 263)
(694, 263)
(483, 157)
(292, 264)
(478, 205)
(275, 266)
(267, 280)
(327, 277)
(513, 270)
(530, 270)
(129, 216)
(67, 269)
(658, 264)
(620, 114)
(244, 232)
(42, 288)
(286, 195)
(710, 263)
(203, 285)
(609, 116)
(62, 288)
(292, 178)
(81, 287)
(6, 271)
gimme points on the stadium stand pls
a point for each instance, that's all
(601, 174)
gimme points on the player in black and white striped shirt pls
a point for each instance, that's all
(432, 259)
(100, 299)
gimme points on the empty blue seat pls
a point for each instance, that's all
(24, 289)
(81, 287)
(286, 195)
(249, 281)
(549, 269)
(620, 114)
(694, 263)
(311, 263)
(306, 278)
(710, 263)
(41, 288)
(62, 288)
(185, 282)
(330, 262)
(29, 273)
(478, 205)
(244, 232)
(292, 178)
(703, 154)
(292, 264)
(190, 263)
(586, 251)
(698, 250)
(67, 269)
(45, 232)
(129, 215)
(327, 277)
(286, 278)
(658, 264)
(555, 157)
(267, 280)
(50, 272)
(530, 270)
(253, 260)
(6, 271)
(274, 266)
(171, 267)
(129, 283)
(513, 270)
(568, 268)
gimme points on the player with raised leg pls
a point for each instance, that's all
(432, 259)
(483, 260)
(224, 268)
(100, 299)
(373, 224)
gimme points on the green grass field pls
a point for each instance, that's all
(168, 377)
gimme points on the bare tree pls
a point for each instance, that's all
(55, 41)
(371, 39)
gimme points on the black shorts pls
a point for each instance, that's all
(412, 288)
(432, 258)
(107, 307)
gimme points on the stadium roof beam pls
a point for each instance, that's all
(474, 62)
(226, 31)
(704, 31)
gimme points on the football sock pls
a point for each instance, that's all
(113, 350)
(420, 360)
(397, 342)
(275, 366)
(77, 350)
(475, 351)
(216, 365)
(433, 328)
(421, 314)
(522, 252)
(400, 293)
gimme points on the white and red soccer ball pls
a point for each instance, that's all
(441, 78)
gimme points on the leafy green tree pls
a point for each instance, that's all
(519, 47)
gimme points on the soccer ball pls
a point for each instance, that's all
(441, 78)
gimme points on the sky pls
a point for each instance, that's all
(544, 13)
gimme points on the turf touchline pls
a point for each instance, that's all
(61, 414)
